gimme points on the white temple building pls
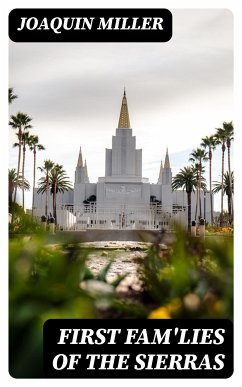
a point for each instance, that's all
(122, 198)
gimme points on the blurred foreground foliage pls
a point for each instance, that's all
(192, 278)
(50, 282)
(20, 222)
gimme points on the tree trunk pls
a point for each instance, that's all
(210, 185)
(230, 208)
(196, 198)
(19, 160)
(47, 193)
(200, 177)
(230, 184)
(23, 165)
(222, 189)
(54, 205)
(33, 181)
(189, 211)
(10, 194)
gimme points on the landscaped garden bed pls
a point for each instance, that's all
(189, 278)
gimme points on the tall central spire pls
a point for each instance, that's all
(124, 114)
(167, 161)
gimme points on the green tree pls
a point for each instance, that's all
(34, 146)
(25, 141)
(13, 181)
(209, 142)
(21, 122)
(186, 179)
(44, 182)
(11, 95)
(221, 138)
(228, 189)
(195, 166)
(229, 130)
(198, 156)
(59, 182)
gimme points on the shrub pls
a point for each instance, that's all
(47, 282)
(193, 278)
(197, 275)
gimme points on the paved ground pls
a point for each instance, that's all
(126, 256)
(124, 262)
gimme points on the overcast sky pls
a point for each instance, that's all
(178, 92)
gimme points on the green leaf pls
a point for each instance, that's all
(103, 273)
(86, 274)
(117, 281)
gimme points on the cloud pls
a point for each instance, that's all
(177, 92)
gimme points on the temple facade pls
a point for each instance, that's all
(122, 198)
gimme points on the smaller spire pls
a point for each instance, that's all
(167, 161)
(80, 162)
(85, 168)
(160, 174)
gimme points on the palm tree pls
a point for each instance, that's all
(221, 138)
(44, 182)
(59, 183)
(228, 189)
(196, 171)
(21, 122)
(209, 142)
(25, 141)
(34, 145)
(12, 182)
(186, 179)
(229, 130)
(198, 156)
(11, 96)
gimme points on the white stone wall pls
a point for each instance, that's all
(108, 162)
(79, 193)
(66, 198)
(166, 197)
(119, 193)
(139, 162)
(180, 197)
(123, 159)
(123, 153)
(155, 190)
